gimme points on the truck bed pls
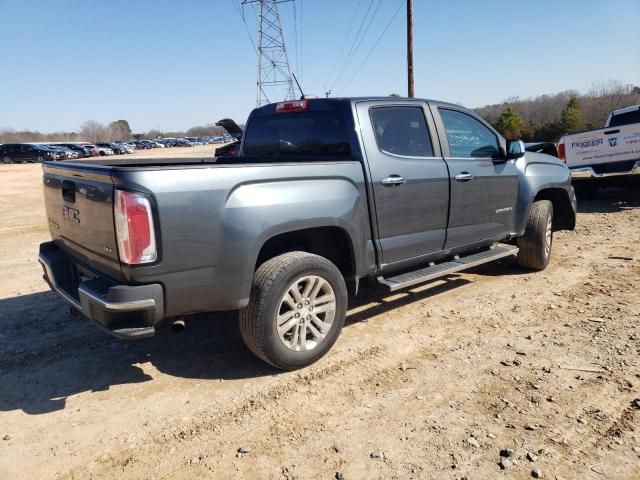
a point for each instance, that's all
(137, 163)
(211, 218)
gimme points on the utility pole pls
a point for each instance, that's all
(274, 73)
(410, 48)
(327, 93)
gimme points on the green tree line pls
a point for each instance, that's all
(549, 117)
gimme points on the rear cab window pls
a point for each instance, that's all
(311, 133)
(626, 118)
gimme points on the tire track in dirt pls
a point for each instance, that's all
(284, 426)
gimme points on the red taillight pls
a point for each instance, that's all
(561, 151)
(292, 106)
(134, 228)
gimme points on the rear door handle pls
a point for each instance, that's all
(464, 177)
(393, 181)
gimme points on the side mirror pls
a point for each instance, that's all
(515, 149)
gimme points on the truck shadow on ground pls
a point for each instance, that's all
(46, 355)
(613, 199)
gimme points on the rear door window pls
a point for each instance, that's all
(401, 131)
(312, 133)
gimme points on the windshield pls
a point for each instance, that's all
(318, 133)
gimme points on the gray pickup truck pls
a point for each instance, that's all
(324, 193)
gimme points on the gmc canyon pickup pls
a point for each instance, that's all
(324, 193)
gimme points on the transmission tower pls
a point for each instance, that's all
(274, 74)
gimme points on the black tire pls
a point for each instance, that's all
(39, 159)
(535, 244)
(6, 159)
(258, 321)
(102, 154)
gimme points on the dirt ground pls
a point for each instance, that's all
(432, 382)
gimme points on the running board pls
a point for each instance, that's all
(434, 271)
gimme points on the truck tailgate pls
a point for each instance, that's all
(607, 145)
(79, 209)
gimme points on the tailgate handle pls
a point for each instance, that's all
(611, 132)
(69, 191)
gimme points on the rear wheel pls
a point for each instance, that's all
(296, 310)
(535, 244)
(6, 159)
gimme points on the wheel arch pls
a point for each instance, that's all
(331, 242)
(564, 216)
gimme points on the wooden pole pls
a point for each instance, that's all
(410, 48)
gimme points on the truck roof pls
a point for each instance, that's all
(632, 108)
(362, 99)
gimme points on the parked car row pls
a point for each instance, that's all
(25, 152)
(40, 152)
(182, 141)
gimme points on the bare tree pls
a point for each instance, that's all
(93, 131)
(606, 96)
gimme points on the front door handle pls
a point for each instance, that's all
(393, 181)
(464, 177)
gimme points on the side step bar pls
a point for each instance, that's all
(434, 271)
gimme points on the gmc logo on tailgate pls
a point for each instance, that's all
(70, 214)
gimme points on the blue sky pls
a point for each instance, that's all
(175, 64)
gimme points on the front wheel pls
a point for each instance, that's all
(535, 244)
(6, 160)
(296, 311)
(39, 159)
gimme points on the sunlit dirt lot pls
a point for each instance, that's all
(432, 382)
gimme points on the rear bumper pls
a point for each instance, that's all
(589, 172)
(125, 311)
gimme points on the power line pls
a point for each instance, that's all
(355, 40)
(295, 34)
(301, 56)
(344, 42)
(241, 15)
(374, 45)
(364, 34)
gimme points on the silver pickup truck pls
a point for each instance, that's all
(324, 193)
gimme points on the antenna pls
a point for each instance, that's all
(298, 84)
(274, 74)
